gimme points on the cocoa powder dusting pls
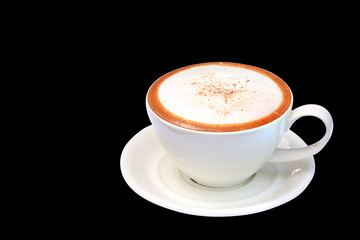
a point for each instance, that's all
(224, 89)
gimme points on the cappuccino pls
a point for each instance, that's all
(219, 97)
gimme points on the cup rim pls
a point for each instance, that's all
(216, 133)
(219, 132)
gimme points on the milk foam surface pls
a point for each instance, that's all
(218, 94)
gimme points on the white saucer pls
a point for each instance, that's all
(147, 170)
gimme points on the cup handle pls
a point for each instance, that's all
(293, 154)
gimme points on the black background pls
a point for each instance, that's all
(96, 65)
(308, 62)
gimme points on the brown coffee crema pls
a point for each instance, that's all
(158, 108)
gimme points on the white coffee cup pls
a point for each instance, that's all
(226, 159)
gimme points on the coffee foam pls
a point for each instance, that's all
(207, 96)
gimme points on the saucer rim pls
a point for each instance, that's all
(212, 212)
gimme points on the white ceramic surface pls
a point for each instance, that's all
(224, 159)
(147, 169)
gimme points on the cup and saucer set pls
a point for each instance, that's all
(223, 173)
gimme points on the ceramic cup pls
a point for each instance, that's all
(226, 159)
